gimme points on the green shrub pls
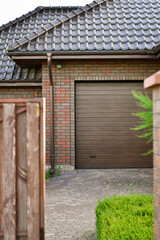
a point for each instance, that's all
(49, 174)
(57, 172)
(125, 217)
(145, 116)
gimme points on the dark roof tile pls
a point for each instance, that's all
(13, 34)
(124, 21)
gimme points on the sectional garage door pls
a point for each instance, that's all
(103, 122)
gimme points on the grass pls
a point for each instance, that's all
(125, 218)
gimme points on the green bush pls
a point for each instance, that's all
(125, 217)
(145, 117)
(49, 174)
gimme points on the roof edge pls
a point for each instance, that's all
(55, 23)
(20, 58)
(78, 53)
(17, 83)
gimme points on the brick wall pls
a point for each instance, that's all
(64, 95)
(20, 92)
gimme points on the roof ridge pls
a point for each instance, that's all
(24, 16)
(58, 7)
(53, 24)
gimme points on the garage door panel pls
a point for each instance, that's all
(109, 119)
(106, 115)
(104, 105)
(110, 87)
(102, 110)
(104, 96)
(120, 142)
(104, 92)
(95, 133)
(105, 165)
(110, 150)
(97, 128)
(105, 138)
(103, 121)
(110, 124)
(116, 100)
(110, 157)
(112, 162)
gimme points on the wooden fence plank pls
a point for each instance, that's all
(33, 214)
(22, 185)
(42, 169)
(9, 171)
(21, 171)
(1, 174)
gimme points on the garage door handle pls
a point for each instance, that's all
(92, 156)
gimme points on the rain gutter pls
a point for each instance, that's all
(49, 59)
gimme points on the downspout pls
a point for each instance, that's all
(49, 59)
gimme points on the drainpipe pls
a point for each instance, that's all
(49, 59)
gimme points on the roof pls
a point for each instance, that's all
(18, 28)
(103, 25)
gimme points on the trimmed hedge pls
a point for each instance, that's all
(125, 217)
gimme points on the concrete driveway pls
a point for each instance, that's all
(71, 199)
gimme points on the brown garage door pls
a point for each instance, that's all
(103, 122)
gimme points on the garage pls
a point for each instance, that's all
(103, 121)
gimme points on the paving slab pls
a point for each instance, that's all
(71, 198)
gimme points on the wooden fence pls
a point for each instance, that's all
(22, 153)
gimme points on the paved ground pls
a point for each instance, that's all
(71, 199)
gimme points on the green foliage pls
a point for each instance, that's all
(57, 170)
(49, 174)
(125, 217)
(146, 117)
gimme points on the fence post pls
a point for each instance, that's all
(154, 83)
(9, 174)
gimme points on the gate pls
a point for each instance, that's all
(22, 156)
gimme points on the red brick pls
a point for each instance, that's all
(61, 161)
(65, 139)
(59, 89)
(47, 134)
(106, 71)
(65, 158)
(47, 163)
(65, 110)
(65, 146)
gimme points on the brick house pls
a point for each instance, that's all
(85, 61)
